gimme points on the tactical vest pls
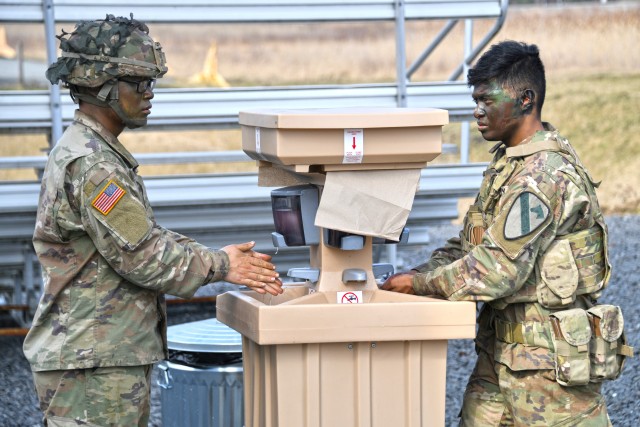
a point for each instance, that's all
(581, 257)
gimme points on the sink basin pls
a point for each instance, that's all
(300, 316)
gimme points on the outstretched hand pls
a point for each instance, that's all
(400, 282)
(252, 269)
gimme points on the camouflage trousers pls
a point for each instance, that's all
(111, 396)
(498, 396)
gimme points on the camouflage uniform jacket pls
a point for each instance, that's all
(106, 263)
(534, 199)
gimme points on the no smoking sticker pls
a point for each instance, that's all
(350, 297)
(353, 146)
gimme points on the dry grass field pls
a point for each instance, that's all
(590, 52)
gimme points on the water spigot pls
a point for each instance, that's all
(310, 274)
(354, 275)
(278, 240)
(382, 271)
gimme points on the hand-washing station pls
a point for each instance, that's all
(334, 350)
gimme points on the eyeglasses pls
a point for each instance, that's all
(142, 85)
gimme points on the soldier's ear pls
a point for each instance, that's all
(527, 100)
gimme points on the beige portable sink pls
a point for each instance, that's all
(334, 350)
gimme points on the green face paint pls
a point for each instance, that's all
(497, 112)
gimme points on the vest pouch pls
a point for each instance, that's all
(571, 336)
(558, 276)
(608, 347)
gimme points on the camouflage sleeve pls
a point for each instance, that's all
(501, 264)
(119, 222)
(179, 238)
(452, 251)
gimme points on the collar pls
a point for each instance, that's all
(108, 137)
(540, 135)
(548, 127)
(543, 140)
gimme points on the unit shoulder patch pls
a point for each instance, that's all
(527, 213)
(520, 223)
(108, 197)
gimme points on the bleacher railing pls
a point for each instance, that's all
(204, 214)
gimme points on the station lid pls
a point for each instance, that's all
(347, 117)
(204, 336)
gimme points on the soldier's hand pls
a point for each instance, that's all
(252, 269)
(400, 282)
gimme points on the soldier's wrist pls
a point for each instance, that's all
(422, 284)
(220, 265)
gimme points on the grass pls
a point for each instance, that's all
(599, 114)
(590, 54)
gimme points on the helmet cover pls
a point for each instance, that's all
(102, 50)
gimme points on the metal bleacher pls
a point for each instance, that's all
(207, 108)
(229, 208)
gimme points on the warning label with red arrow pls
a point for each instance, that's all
(353, 145)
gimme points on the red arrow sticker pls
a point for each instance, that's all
(353, 146)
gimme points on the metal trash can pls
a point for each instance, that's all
(201, 383)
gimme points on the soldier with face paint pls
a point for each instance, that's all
(533, 251)
(101, 321)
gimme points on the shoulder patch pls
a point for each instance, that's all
(526, 214)
(108, 197)
(518, 225)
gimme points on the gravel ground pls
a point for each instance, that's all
(19, 406)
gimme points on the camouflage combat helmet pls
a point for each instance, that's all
(97, 53)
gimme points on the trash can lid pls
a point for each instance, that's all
(204, 336)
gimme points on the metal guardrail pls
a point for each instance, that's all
(185, 108)
(168, 158)
(236, 11)
(213, 205)
(216, 210)
(224, 209)
(400, 94)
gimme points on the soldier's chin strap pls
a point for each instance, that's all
(108, 97)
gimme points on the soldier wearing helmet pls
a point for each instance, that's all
(99, 54)
(101, 320)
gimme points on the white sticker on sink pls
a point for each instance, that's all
(258, 148)
(353, 146)
(350, 297)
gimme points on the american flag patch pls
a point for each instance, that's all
(108, 198)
